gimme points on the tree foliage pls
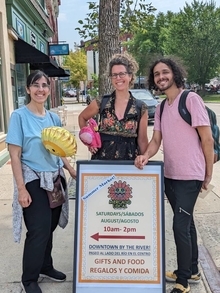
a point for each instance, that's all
(194, 36)
(76, 62)
(148, 43)
(105, 22)
(132, 13)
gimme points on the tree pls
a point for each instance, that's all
(194, 36)
(108, 39)
(76, 62)
(147, 44)
(102, 24)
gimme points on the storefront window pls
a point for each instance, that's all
(21, 83)
(42, 2)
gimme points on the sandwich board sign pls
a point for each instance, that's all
(119, 228)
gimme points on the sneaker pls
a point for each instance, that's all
(180, 289)
(31, 288)
(171, 277)
(53, 275)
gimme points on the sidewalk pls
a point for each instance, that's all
(207, 214)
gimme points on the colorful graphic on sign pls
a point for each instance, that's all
(120, 194)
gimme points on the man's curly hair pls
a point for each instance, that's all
(178, 73)
(128, 61)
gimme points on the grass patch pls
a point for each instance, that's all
(207, 98)
(215, 98)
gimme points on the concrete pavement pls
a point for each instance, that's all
(207, 216)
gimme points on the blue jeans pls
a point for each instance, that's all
(40, 221)
(182, 195)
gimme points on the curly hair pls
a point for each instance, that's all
(178, 73)
(128, 61)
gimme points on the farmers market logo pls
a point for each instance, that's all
(120, 194)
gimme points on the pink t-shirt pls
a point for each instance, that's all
(183, 155)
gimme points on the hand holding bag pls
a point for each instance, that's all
(56, 196)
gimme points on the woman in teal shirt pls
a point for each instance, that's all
(34, 170)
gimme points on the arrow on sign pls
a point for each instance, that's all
(97, 237)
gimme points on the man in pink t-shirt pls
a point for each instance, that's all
(188, 164)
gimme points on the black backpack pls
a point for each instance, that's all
(105, 99)
(184, 113)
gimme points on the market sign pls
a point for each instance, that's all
(58, 49)
(119, 228)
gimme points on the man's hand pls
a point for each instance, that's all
(141, 161)
(206, 182)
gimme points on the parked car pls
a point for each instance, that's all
(147, 97)
(70, 93)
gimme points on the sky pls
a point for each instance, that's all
(71, 11)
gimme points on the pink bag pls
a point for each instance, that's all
(89, 135)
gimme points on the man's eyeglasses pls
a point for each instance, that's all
(38, 86)
(120, 74)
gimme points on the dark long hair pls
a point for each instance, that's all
(34, 76)
(178, 73)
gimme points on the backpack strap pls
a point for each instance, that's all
(161, 107)
(215, 131)
(104, 101)
(183, 111)
(139, 104)
(51, 116)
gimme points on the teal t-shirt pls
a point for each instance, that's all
(25, 131)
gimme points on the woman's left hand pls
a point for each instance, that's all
(72, 172)
(92, 150)
(68, 167)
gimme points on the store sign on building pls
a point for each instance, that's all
(20, 28)
(33, 39)
(58, 49)
(65, 78)
(42, 47)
